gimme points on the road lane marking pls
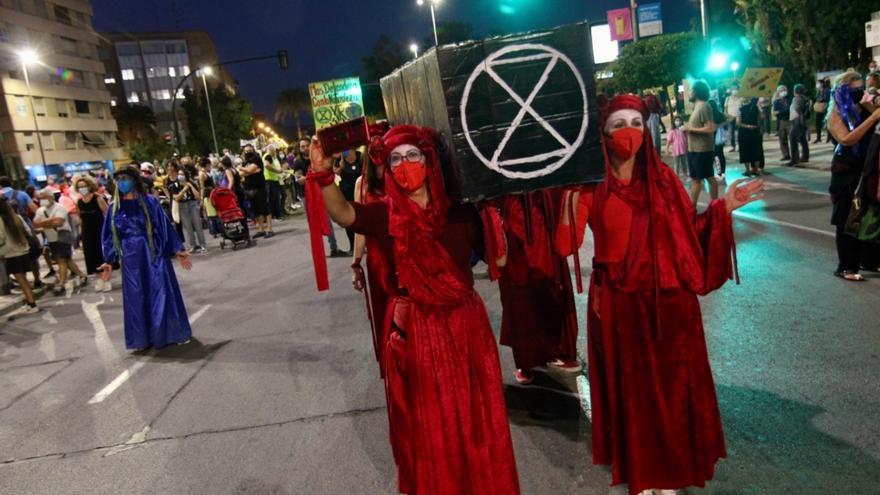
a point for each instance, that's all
(94, 317)
(756, 218)
(198, 314)
(116, 383)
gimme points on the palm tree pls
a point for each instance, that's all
(293, 102)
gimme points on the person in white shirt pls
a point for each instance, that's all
(732, 108)
(53, 219)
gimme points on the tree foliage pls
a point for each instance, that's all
(293, 102)
(137, 131)
(450, 32)
(807, 36)
(232, 120)
(656, 61)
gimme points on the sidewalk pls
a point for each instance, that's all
(12, 302)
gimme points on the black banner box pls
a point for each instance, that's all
(517, 112)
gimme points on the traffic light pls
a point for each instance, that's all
(282, 59)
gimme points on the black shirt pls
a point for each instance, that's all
(175, 187)
(301, 165)
(349, 173)
(257, 180)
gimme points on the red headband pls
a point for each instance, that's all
(420, 137)
(621, 102)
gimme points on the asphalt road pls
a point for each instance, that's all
(280, 394)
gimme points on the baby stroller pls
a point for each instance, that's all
(235, 229)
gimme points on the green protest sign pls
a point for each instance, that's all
(336, 101)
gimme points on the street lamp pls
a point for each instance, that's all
(432, 3)
(207, 71)
(29, 56)
(415, 49)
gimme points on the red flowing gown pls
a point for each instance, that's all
(447, 414)
(381, 281)
(655, 415)
(539, 318)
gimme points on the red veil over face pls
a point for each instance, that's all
(663, 216)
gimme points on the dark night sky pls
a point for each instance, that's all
(328, 38)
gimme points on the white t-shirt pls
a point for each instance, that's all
(54, 211)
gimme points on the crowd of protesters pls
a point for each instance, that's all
(42, 227)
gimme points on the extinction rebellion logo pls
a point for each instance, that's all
(566, 143)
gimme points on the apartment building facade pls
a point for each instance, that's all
(146, 68)
(67, 94)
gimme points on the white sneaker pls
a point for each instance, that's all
(107, 286)
(29, 310)
(69, 288)
(99, 284)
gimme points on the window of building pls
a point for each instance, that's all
(13, 4)
(62, 15)
(82, 19)
(39, 107)
(175, 47)
(127, 74)
(108, 79)
(67, 45)
(104, 54)
(28, 141)
(72, 77)
(70, 140)
(151, 47)
(48, 142)
(63, 109)
(127, 49)
(161, 94)
(184, 70)
(113, 101)
(82, 106)
(161, 71)
(20, 106)
(40, 8)
(180, 94)
(89, 80)
(133, 97)
(4, 32)
(172, 71)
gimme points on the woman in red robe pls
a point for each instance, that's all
(654, 411)
(539, 318)
(448, 419)
(380, 280)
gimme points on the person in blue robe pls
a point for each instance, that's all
(138, 235)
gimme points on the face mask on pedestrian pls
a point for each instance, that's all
(45, 203)
(783, 94)
(857, 93)
(125, 186)
(408, 170)
(83, 191)
(181, 178)
(624, 133)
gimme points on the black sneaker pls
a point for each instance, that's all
(336, 253)
(58, 290)
(269, 235)
(258, 235)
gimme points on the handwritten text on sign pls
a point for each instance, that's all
(336, 101)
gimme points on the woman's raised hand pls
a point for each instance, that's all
(740, 195)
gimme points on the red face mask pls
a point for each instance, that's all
(624, 143)
(410, 175)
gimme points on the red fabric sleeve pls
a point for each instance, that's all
(495, 244)
(370, 219)
(715, 230)
(566, 245)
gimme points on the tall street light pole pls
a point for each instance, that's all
(433, 18)
(30, 57)
(208, 71)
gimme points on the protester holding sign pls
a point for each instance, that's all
(447, 415)
(654, 410)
